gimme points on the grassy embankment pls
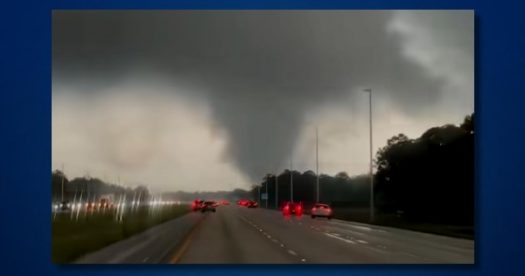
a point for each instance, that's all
(73, 238)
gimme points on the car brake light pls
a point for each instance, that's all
(313, 209)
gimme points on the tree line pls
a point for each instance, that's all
(427, 179)
(340, 189)
(92, 188)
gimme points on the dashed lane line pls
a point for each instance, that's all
(282, 245)
(339, 238)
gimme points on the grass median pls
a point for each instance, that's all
(72, 238)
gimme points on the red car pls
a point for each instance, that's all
(243, 202)
(295, 208)
(197, 204)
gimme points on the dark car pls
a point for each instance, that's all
(295, 208)
(252, 204)
(65, 206)
(208, 206)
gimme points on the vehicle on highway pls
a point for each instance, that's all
(62, 207)
(197, 204)
(321, 210)
(105, 203)
(91, 205)
(295, 208)
(208, 206)
(243, 202)
(225, 202)
(252, 204)
(65, 206)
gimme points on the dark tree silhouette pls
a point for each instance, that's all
(430, 178)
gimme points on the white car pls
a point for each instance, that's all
(321, 210)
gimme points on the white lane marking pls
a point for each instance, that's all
(343, 230)
(348, 223)
(361, 227)
(362, 241)
(339, 238)
(291, 252)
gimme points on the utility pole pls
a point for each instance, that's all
(317, 162)
(267, 193)
(259, 195)
(291, 180)
(63, 175)
(277, 190)
(371, 173)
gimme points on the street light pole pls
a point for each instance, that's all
(259, 195)
(266, 193)
(277, 190)
(291, 180)
(63, 175)
(317, 162)
(371, 164)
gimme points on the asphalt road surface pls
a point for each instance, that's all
(238, 235)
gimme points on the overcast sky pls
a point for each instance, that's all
(213, 100)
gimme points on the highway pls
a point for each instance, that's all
(238, 235)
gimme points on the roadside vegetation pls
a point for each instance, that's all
(73, 238)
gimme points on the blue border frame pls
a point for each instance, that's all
(25, 127)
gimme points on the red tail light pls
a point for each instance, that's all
(313, 209)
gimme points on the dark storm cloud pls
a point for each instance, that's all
(260, 71)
